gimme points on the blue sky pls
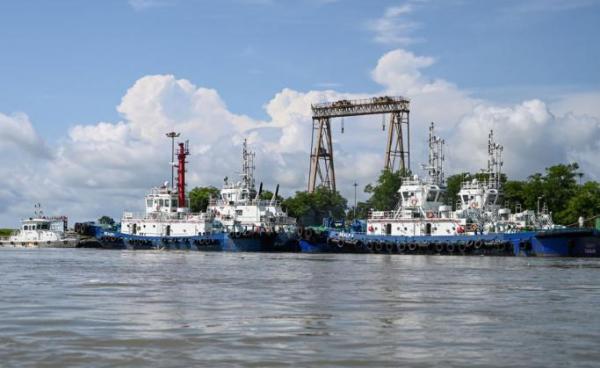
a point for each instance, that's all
(70, 62)
(88, 89)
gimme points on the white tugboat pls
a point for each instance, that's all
(239, 207)
(167, 221)
(421, 210)
(40, 231)
(479, 201)
(239, 212)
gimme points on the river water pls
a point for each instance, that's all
(84, 307)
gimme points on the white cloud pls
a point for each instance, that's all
(139, 5)
(394, 27)
(16, 131)
(107, 167)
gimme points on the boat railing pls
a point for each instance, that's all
(161, 216)
(254, 202)
(381, 215)
(479, 184)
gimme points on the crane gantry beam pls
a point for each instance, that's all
(397, 150)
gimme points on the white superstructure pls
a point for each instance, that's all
(164, 217)
(167, 211)
(239, 207)
(421, 209)
(42, 231)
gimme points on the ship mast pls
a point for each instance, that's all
(248, 167)
(435, 164)
(495, 163)
(183, 152)
(172, 135)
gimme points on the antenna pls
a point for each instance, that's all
(248, 166)
(495, 162)
(173, 135)
(435, 164)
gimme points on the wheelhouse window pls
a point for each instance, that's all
(148, 203)
(432, 195)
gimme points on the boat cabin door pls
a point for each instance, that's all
(388, 229)
(134, 229)
(168, 232)
(428, 229)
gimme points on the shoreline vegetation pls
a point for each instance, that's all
(560, 190)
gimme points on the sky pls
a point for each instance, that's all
(90, 88)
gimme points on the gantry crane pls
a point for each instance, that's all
(397, 153)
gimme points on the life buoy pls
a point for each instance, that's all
(429, 214)
(371, 229)
(413, 201)
(358, 245)
(474, 205)
(460, 229)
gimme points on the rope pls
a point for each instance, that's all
(584, 221)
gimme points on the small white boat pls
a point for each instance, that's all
(40, 231)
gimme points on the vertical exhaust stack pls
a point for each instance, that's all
(260, 188)
(274, 198)
(181, 155)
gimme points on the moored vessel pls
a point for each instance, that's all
(40, 231)
(422, 223)
(251, 223)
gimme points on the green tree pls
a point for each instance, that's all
(384, 194)
(311, 208)
(560, 186)
(200, 196)
(532, 190)
(267, 195)
(585, 202)
(513, 193)
(453, 184)
(362, 211)
(105, 220)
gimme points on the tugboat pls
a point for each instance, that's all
(40, 231)
(422, 224)
(167, 222)
(251, 223)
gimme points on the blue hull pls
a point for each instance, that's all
(557, 243)
(219, 242)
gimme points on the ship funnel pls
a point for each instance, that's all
(259, 190)
(276, 192)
